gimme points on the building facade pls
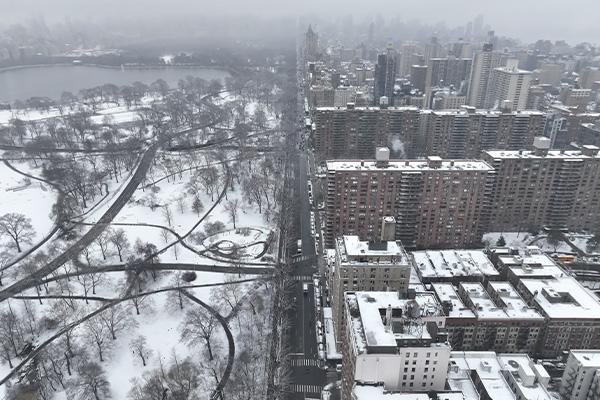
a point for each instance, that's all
(484, 63)
(508, 88)
(436, 203)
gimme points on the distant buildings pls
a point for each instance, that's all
(508, 88)
(385, 76)
(436, 203)
(394, 342)
(311, 45)
(484, 63)
(545, 188)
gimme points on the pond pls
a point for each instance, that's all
(51, 81)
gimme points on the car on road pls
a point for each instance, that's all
(305, 288)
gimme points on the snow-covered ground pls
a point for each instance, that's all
(34, 199)
(512, 239)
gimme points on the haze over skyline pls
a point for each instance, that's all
(524, 20)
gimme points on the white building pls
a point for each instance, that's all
(508, 88)
(483, 64)
(487, 375)
(581, 379)
(395, 342)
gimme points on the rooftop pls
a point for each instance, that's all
(484, 306)
(587, 358)
(408, 165)
(563, 298)
(527, 154)
(365, 392)
(495, 372)
(368, 310)
(531, 262)
(451, 263)
(352, 249)
(446, 292)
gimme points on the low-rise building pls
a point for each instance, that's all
(581, 378)
(453, 266)
(529, 263)
(571, 312)
(367, 266)
(490, 376)
(395, 342)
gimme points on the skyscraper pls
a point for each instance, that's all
(483, 64)
(311, 44)
(385, 76)
(508, 88)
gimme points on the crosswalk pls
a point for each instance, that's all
(304, 362)
(303, 278)
(297, 259)
(305, 388)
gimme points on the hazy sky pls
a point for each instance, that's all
(573, 20)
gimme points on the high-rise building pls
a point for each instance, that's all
(588, 76)
(484, 63)
(508, 88)
(385, 76)
(418, 77)
(436, 203)
(394, 341)
(449, 71)
(355, 132)
(408, 57)
(545, 188)
(367, 266)
(311, 45)
(465, 133)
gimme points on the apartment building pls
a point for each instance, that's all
(367, 266)
(545, 188)
(529, 263)
(492, 317)
(355, 132)
(395, 342)
(581, 378)
(465, 133)
(571, 313)
(508, 88)
(436, 203)
(453, 266)
(484, 62)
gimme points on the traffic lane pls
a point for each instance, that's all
(310, 332)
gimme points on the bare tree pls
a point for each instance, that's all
(118, 238)
(139, 347)
(18, 227)
(197, 206)
(232, 207)
(168, 215)
(117, 319)
(199, 326)
(181, 204)
(97, 335)
(92, 383)
(102, 241)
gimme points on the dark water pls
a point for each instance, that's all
(51, 81)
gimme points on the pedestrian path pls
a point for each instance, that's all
(305, 388)
(304, 362)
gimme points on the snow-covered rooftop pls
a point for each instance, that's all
(352, 249)
(494, 373)
(563, 298)
(531, 262)
(364, 392)
(452, 263)
(484, 306)
(447, 292)
(368, 309)
(587, 358)
(554, 154)
(408, 165)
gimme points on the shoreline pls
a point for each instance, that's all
(124, 66)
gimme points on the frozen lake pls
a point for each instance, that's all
(51, 81)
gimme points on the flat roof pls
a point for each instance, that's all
(485, 307)
(563, 298)
(365, 392)
(447, 292)
(528, 154)
(531, 262)
(354, 247)
(490, 369)
(408, 165)
(368, 326)
(514, 305)
(451, 263)
(587, 358)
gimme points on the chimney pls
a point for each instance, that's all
(388, 229)
(434, 162)
(382, 156)
(388, 318)
(541, 144)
